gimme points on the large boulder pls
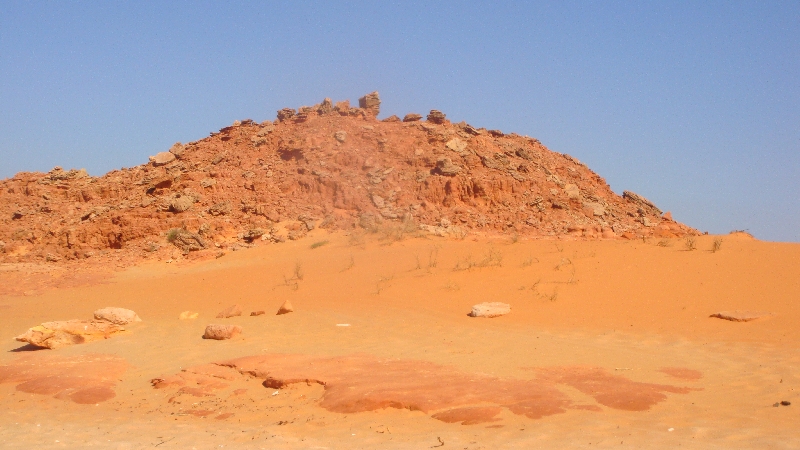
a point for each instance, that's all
(490, 309)
(285, 308)
(221, 332)
(436, 116)
(119, 316)
(68, 332)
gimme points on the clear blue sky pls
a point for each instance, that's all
(696, 106)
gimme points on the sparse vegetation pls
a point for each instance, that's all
(716, 245)
(515, 238)
(493, 258)
(383, 283)
(356, 239)
(298, 271)
(559, 247)
(690, 244)
(664, 243)
(433, 258)
(319, 244)
(554, 296)
(528, 262)
(173, 234)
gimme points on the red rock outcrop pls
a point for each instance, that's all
(325, 166)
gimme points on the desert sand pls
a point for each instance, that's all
(610, 343)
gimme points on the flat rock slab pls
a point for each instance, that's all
(119, 316)
(490, 309)
(742, 316)
(68, 332)
(221, 332)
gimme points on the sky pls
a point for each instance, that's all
(694, 105)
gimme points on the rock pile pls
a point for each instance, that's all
(319, 165)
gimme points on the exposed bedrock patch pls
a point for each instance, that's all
(359, 383)
(86, 379)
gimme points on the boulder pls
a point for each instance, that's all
(187, 241)
(392, 118)
(181, 204)
(162, 158)
(741, 316)
(643, 203)
(456, 145)
(490, 309)
(258, 313)
(412, 117)
(177, 149)
(68, 332)
(231, 311)
(119, 316)
(371, 103)
(286, 114)
(285, 308)
(340, 135)
(446, 167)
(436, 116)
(221, 332)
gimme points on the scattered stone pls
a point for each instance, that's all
(391, 119)
(258, 313)
(162, 158)
(446, 167)
(285, 308)
(251, 234)
(221, 332)
(68, 332)
(741, 316)
(786, 403)
(371, 103)
(231, 311)
(412, 117)
(490, 309)
(340, 135)
(436, 116)
(119, 316)
(496, 133)
(572, 191)
(188, 315)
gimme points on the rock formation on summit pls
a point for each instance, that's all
(318, 166)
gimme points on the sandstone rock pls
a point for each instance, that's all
(231, 311)
(2, 247)
(741, 316)
(642, 202)
(285, 308)
(392, 118)
(340, 135)
(186, 241)
(436, 116)
(490, 309)
(286, 114)
(668, 217)
(221, 332)
(595, 209)
(326, 107)
(258, 313)
(220, 209)
(68, 332)
(412, 117)
(456, 145)
(119, 316)
(181, 204)
(162, 158)
(378, 201)
(251, 234)
(446, 167)
(371, 103)
(177, 149)
(572, 191)
(188, 315)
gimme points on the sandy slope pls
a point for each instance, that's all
(634, 312)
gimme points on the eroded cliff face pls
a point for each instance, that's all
(329, 166)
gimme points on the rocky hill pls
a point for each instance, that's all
(331, 166)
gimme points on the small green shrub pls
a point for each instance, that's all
(319, 244)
